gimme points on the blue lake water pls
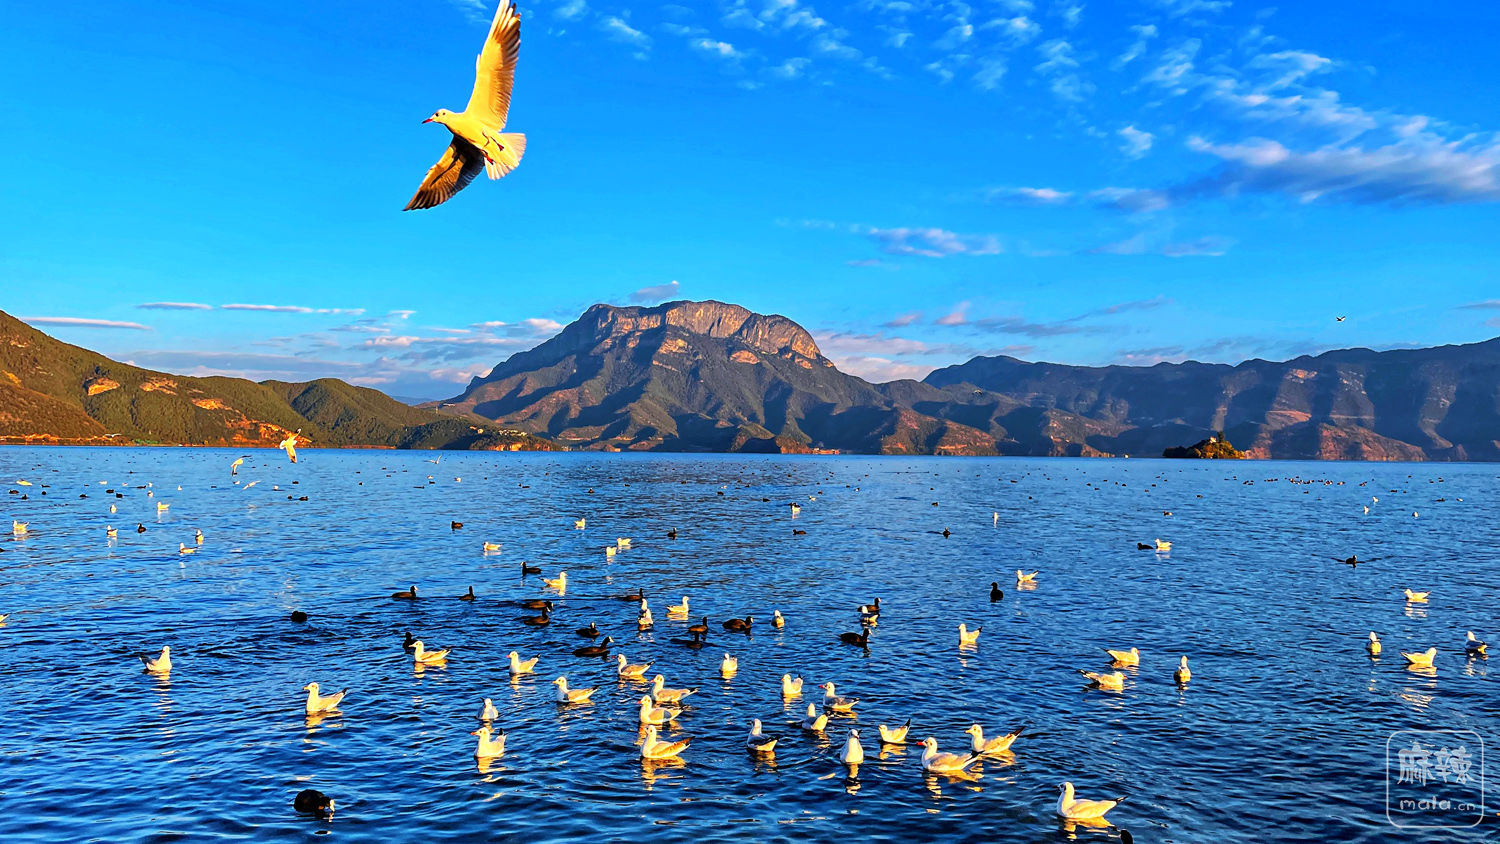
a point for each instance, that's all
(1280, 736)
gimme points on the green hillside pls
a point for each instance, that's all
(51, 391)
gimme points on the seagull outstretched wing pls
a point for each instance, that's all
(495, 69)
(461, 162)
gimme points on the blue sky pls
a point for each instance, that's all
(216, 188)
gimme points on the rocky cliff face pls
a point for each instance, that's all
(699, 376)
(772, 335)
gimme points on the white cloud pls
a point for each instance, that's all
(82, 322)
(174, 306)
(720, 49)
(803, 19)
(958, 316)
(878, 357)
(683, 30)
(1179, 8)
(1133, 245)
(655, 293)
(571, 10)
(1136, 142)
(991, 71)
(257, 367)
(1029, 196)
(407, 341)
(542, 326)
(1133, 200)
(461, 374)
(845, 342)
(744, 18)
(474, 10)
(879, 370)
(1175, 72)
(943, 74)
(1210, 246)
(1143, 244)
(619, 30)
(933, 242)
(531, 327)
(1070, 11)
(789, 69)
(293, 309)
(1317, 110)
(1060, 66)
(790, 15)
(1290, 66)
(1015, 31)
(955, 36)
(1418, 170)
(833, 47)
(1143, 34)
(360, 328)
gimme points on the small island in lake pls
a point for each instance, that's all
(1216, 447)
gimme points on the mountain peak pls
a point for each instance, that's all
(767, 333)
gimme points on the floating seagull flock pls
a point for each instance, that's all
(662, 706)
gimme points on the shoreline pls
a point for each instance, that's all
(104, 443)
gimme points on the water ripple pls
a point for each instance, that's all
(1280, 735)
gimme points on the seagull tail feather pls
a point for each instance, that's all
(512, 147)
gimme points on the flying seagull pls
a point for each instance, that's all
(1339, 319)
(478, 144)
(290, 445)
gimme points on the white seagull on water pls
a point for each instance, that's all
(319, 704)
(159, 665)
(489, 748)
(1082, 810)
(934, 762)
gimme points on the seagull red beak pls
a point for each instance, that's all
(428, 120)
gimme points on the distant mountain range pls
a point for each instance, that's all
(51, 392)
(1440, 403)
(709, 376)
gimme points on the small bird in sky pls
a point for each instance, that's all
(478, 144)
(1339, 319)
